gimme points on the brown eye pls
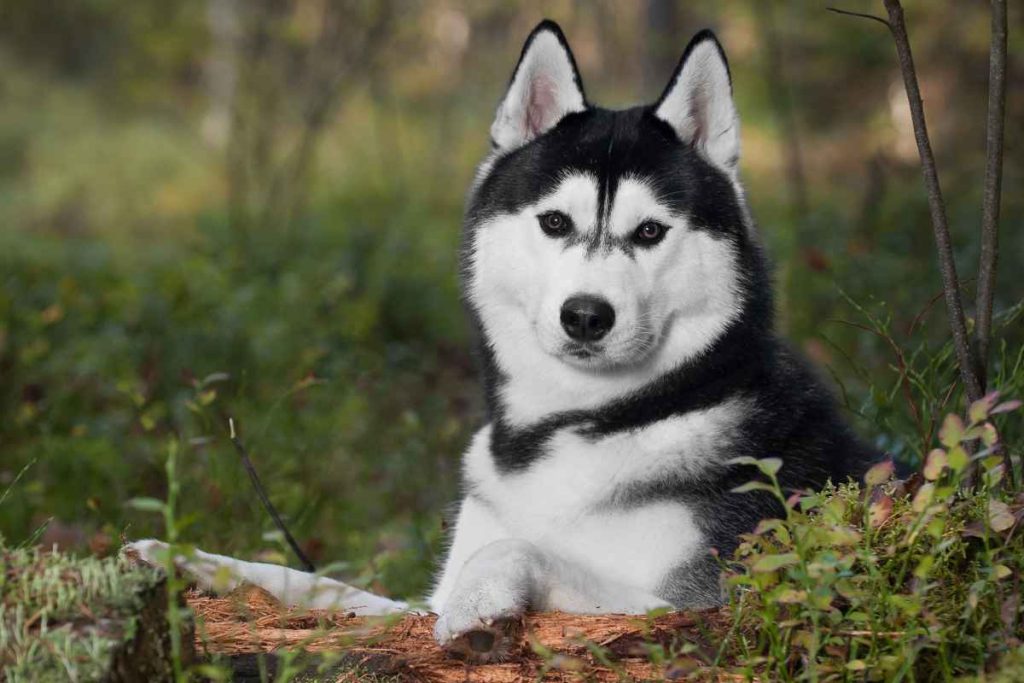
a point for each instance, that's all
(555, 223)
(649, 233)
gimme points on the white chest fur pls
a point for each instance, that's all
(565, 502)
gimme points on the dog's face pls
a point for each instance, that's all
(607, 241)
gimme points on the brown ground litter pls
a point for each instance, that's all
(250, 621)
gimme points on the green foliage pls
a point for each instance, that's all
(335, 375)
(891, 580)
(135, 310)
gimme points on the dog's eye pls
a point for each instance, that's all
(555, 223)
(649, 233)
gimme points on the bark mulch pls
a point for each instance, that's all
(249, 623)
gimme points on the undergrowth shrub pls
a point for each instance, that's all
(915, 579)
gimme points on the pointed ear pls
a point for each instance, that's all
(545, 87)
(698, 103)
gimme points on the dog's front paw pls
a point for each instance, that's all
(482, 620)
(479, 639)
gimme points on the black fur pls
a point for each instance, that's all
(793, 416)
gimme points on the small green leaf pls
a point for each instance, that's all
(769, 466)
(146, 504)
(979, 410)
(993, 476)
(766, 525)
(952, 431)
(879, 474)
(842, 536)
(790, 596)
(769, 563)
(753, 486)
(957, 459)
(923, 497)
(1001, 571)
(989, 435)
(999, 516)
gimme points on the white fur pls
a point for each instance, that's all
(699, 107)
(542, 92)
(671, 302)
(551, 537)
(564, 502)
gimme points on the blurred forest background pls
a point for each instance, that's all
(252, 208)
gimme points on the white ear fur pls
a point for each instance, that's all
(698, 103)
(545, 87)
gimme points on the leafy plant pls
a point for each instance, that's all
(889, 580)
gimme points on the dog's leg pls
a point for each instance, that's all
(476, 527)
(502, 580)
(292, 587)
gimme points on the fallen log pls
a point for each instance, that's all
(87, 619)
(253, 630)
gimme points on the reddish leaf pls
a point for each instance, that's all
(935, 463)
(879, 511)
(1005, 407)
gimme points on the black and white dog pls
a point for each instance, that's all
(624, 309)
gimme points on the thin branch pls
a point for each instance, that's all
(936, 205)
(859, 14)
(993, 185)
(247, 463)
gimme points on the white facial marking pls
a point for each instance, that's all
(671, 300)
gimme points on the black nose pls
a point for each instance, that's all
(587, 318)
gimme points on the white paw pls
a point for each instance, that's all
(149, 551)
(483, 618)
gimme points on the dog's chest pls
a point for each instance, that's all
(578, 501)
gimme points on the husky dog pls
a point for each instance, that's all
(624, 309)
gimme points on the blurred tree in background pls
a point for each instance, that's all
(217, 207)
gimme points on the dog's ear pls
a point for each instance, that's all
(545, 87)
(698, 103)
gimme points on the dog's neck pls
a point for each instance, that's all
(731, 364)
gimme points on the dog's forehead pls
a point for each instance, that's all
(607, 146)
(614, 145)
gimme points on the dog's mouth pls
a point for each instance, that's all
(600, 356)
(583, 351)
(583, 355)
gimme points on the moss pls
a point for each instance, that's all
(65, 618)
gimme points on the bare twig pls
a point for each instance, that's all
(258, 485)
(859, 14)
(936, 205)
(993, 185)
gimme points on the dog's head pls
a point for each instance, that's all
(606, 242)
